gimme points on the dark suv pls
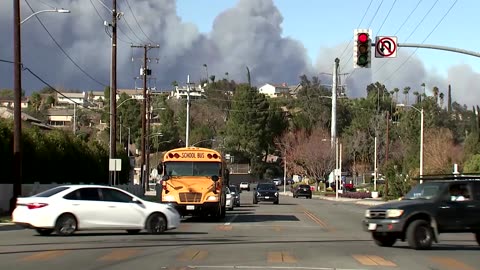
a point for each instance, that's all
(265, 192)
(302, 191)
(438, 205)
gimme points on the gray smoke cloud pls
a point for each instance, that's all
(404, 70)
(248, 34)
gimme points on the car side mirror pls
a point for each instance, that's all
(254, 188)
(215, 178)
(135, 200)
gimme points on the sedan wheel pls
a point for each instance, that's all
(66, 225)
(156, 224)
(44, 232)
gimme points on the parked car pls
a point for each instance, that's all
(434, 207)
(230, 199)
(245, 186)
(302, 191)
(70, 208)
(266, 192)
(235, 191)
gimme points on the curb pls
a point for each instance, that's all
(345, 200)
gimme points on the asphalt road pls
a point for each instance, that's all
(296, 234)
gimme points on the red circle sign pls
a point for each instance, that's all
(386, 46)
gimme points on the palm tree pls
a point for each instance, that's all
(406, 90)
(441, 99)
(417, 96)
(396, 90)
(435, 93)
(206, 70)
(423, 85)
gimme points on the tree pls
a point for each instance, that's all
(310, 154)
(440, 151)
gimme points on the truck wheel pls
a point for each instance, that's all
(477, 236)
(419, 235)
(384, 240)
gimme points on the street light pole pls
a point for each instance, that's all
(421, 145)
(17, 98)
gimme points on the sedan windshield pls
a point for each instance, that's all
(193, 168)
(426, 191)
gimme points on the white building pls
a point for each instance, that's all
(273, 90)
(68, 98)
(181, 92)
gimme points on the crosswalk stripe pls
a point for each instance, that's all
(280, 257)
(119, 254)
(372, 260)
(450, 263)
(44, 255)
(192, 255)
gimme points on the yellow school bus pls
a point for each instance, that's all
(194, 181)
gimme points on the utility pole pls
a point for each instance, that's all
(187, 131)
(334, 103)
(17, 110)
(113, 89)
(144, 71)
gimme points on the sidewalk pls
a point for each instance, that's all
(369, 201)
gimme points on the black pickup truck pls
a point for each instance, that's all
(438, 205)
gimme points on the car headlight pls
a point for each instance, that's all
(367, 213)
(276, 194)
(212, 198)
(168, 198)
(229, 196)
(258, 194)
(394, 213)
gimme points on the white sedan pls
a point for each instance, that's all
(70, 208)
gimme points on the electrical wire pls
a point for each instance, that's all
(431, 32)
(135, 18)
(61, 49)
(364, 14)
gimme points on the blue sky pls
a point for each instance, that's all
(304, 21)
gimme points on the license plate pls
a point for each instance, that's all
(304, 189)
(190, 207)
(372, 226)
(266, 197)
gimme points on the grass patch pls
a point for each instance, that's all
(5, 219)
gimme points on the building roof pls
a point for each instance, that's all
(60, 112)
(70, 95)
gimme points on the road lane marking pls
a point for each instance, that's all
(451, 263)
(193, 255)
(261, 267)
(231, 220)
(318, 221)
(223, 228)
(119, 254)
(44, 255)
(280, 257)
(372, 260)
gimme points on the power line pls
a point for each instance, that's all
(370, 24)
(60, 47)
(431, 32)
(424, 16)
(408, 17)
(364, 14)
(388, 14)
(135, 18)
(414, 30)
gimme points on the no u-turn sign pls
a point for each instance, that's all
(386, 47)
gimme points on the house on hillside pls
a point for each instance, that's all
(181, 92)
(60, 118)
(68, 98)
(8, 102)
(7, 113)
(274, 90)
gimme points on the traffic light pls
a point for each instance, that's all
(362, 56)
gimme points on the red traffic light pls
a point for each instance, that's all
(362, 37)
